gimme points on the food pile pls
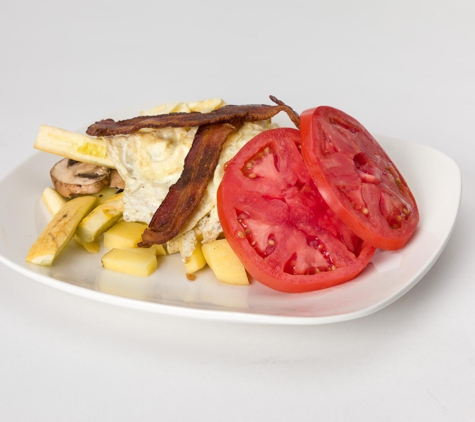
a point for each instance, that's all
(297, 209)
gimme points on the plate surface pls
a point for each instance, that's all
(434, 180)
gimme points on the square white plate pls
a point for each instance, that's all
(434, 180)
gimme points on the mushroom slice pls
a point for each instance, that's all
(72, 177)
(116, 180)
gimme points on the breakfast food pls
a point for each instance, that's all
(188, 174)
(225, 114)
(149, 162)
(279, 225)
(185, 195)
(138, 262)
(357, 178)
(71, 177)
(153, 161)
(61, 229)
(72, 145)
(224, 262)
(100, 219)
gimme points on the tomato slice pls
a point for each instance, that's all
(356, 177)
(277, 222)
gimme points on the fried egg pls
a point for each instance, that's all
(150, 161)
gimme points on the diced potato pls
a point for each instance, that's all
(124, 235)
(159, 250)
(196, 261)
(128, 235)
(101, 218)
(59, 231)
(140, 262)
(224, 263)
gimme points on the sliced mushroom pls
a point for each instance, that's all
(72, 177)
(116, 180)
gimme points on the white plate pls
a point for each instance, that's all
(433, 177)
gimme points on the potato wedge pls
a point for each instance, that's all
(101, 218)
(54, 201)
(59, 231)
(224, 263)
(104, 195)
(72, 145)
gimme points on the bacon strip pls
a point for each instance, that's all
(244, 113)
(186, 194)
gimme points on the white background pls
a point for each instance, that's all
(404, 68)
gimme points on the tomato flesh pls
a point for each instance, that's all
(357, 178)
(277, 222)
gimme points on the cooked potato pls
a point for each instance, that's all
(104, 195)
(124, 235)
(59, 231)
(101, 218)
(224, 263)
(91, 247)
(196, 261)
(53, 200)
(140, 262)
(75, 146)
(159, 250)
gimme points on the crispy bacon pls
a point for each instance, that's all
(185, 195)
(244, 113)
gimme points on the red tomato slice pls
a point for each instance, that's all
(278, 224)
(356, 177)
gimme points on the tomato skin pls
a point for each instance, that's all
(277, 223)
(357, 178)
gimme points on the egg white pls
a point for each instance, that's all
(151, 161)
